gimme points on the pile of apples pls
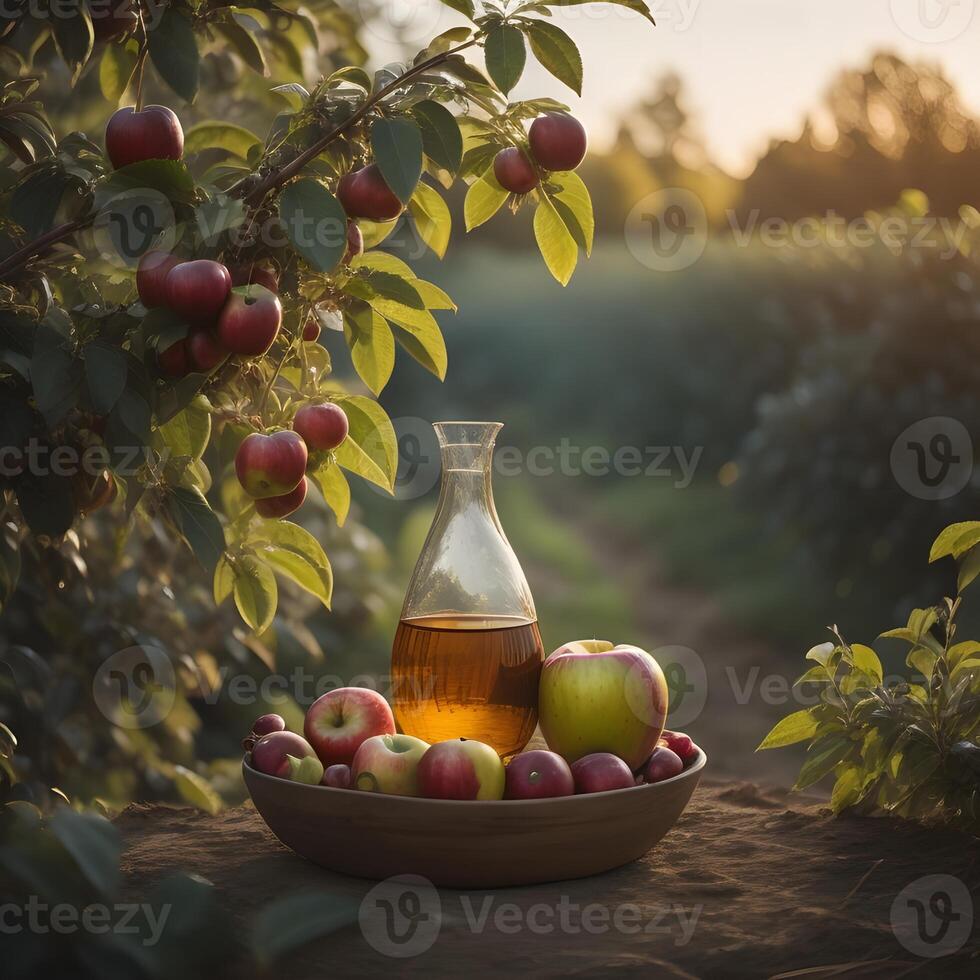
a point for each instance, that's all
(602, 710)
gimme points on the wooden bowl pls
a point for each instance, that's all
(461, 844)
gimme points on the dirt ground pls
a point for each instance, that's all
(750, 883)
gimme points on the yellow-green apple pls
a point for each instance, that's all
(337, 776)
(151, 276)
(337, 723)
(596, 697)
(681, 744)
(538, 774)
(662, 764)
(250, 320)
(275, 507)
(601, 771)
(270, 466)
(388, 764)
(153, 133)
(322, 426)
(198, 290)
(288, 756)
(461, 769)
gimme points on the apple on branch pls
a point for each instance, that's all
(197, 290)
(597, 697)
(154, 133)
(322, 426)
(271, 465)
(388, 764)
(250, 320)
(337, 723)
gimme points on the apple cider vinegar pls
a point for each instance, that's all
(468, 675)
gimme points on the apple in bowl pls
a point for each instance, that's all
(461, 769)
(337, 723)
(288, 756)
(388, 764)
(595, 696)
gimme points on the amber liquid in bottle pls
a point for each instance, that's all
(468, 675)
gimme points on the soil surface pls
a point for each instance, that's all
(750, 883)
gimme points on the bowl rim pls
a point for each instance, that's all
(695, 767)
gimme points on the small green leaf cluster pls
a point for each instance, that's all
(909, 745)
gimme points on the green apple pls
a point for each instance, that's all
(597, 697)
(388, 764)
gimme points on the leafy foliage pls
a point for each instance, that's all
(909, 746)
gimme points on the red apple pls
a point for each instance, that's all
(337, 723)
(594, 697)
(364, 194)
(538, 774)
(355, 241)
(268, 723)
(288, 756)
(681, 744)
(514, 171)
(174, 361)
(151, 277)
(204, 352)
(322, 426)
(337, 775)
(388, 764)
(662, 764)
(198, 290)
(311, 329)
(273, 507)
(153, 134)
(461, 769)
(558, 141)
(601, 771)
(250, 320)
(271, 466)
(262, 275)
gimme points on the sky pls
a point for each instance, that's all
(752, 69)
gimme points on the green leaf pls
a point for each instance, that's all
(574, 205)
(556, 52)
(558, 248)
(797, 727)
(199, 525)
(106, 370)
(441, 138)
(371, 448)
(57, 377)
(170, 177)
(397, 147)
(433, 220)
(188, 432)
(922, 660)
(256, 594)
(224, 580)
(866, 660)
(196, 790)
(426, 345)
(821, 653)
(315, 223)
(335, 489)
(826, 753)
(372, 345)
(94, 844)
(289, 923)
(73, 33)
(294, 93)
(505, 56)
(847, 790)
(214, 135)
(245, 45)
(294, 552)
(955, 540)
(47, 503)
(969, 568)
(484, 199)
(465, 7)
(117, 67)
(639, 6)
(173, 51)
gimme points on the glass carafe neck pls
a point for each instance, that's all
(467, 447)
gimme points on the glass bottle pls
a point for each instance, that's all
(467, 654)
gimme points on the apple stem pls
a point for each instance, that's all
(141, 60)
